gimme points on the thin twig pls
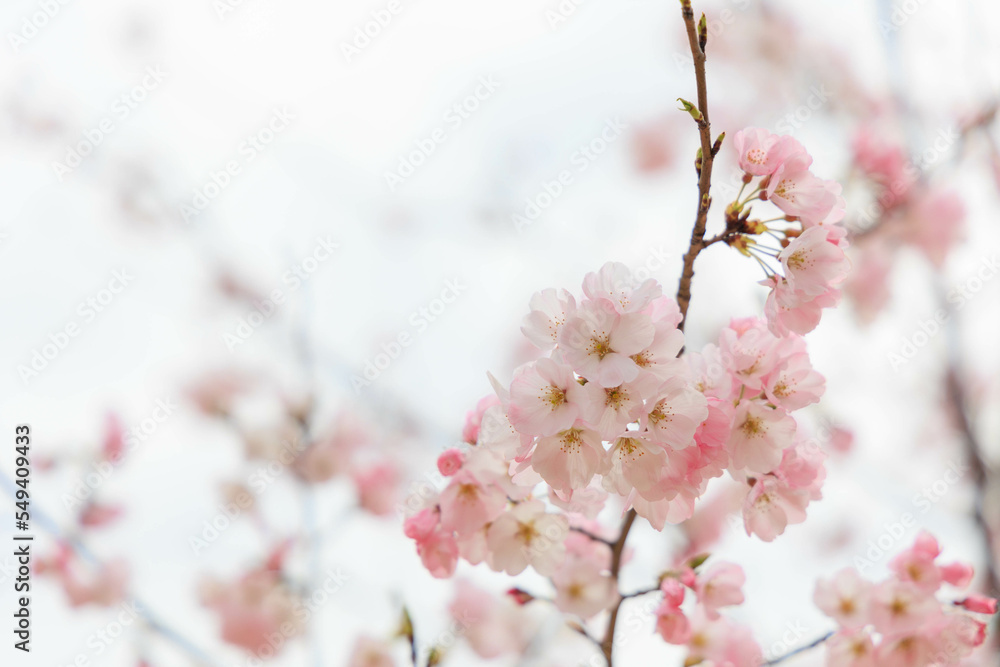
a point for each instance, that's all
(801, 649)
(706, 161)
(593, 536)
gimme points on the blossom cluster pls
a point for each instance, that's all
(900, 622)
(812, 255)
(709, 637)
(611, 411)
(907, 210)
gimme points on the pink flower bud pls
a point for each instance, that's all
(450, 462)
(979, 604)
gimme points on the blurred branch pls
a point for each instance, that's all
(801, 649)
(151, 620)
(982, 474)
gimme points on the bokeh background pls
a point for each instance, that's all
(190, 89)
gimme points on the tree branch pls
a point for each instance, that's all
(705, 161)
(697, 38)
(801, 649)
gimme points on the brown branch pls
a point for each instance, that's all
(705, 161)
(980, 474)
(697, 38)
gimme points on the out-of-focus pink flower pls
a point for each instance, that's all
(979, 604)
(583, 589)
(368, 652)
(95, 515)
(492, 626)
(377, 487)
(330, 455)
(721, 585)
(253, 609)
(474, 419)
(467, 504)
(935, 222)
(868, 284)
(845, 597)
(527, 535)
(114, 439)
(450, 462)
(103, 585)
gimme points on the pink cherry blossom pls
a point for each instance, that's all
(493, 626)
(550, 309)
(794, 384)
(569, 459)
(771, 506)
(253, 608)
(545, 398)
(527, 535)
(634, 462)
(760, 435)
(749, 351)
(798, 193)
(721, 585)
(615, 285)
(935, 223)
(673, 416)
(467, 504)
(813, 264)
(788, 311)
(899, 607)
(762, 153)
(599, 343)
(474, 419)
(377, 487)
(370, 652)
(845, 598)
(450, 462)
(608, 410)
(979, 604)
(582, 589)
(851, 648)
(721, 642)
